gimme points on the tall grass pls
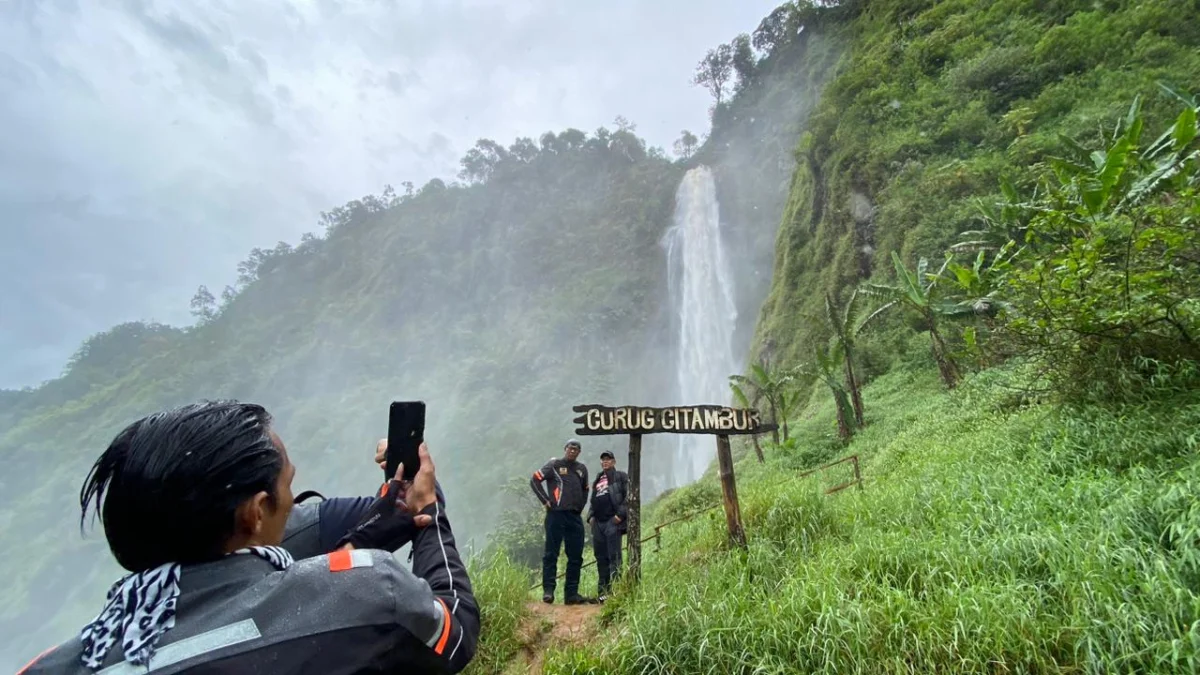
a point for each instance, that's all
(987, 540)
(500, 588)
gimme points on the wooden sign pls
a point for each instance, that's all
(599, 420)
(720, 421)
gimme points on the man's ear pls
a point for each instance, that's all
(252, 513)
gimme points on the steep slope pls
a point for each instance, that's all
(995, 532)
(989, 537)
(934, 103)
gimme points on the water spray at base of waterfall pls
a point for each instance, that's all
(700, 282)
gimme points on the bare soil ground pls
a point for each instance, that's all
(548, 625)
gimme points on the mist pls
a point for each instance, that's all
(137, 135)
(521, 276)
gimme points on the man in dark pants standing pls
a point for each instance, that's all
(567, 480)
(607, 516)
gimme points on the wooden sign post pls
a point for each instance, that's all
(720, 421)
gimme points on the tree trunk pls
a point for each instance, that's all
(839, 402)
(785, 429)
(758, 449)
(855, 394)
(946, 365)
(775, 419)
(633, 504)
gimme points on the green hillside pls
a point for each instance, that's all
(500, 302)
(989, 537)
(933, 105)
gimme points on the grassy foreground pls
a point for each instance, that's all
(991, 537)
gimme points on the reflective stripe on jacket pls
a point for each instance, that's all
(356, 611)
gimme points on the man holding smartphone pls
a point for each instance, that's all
(314, 527)
(564, 502)
(196, 504)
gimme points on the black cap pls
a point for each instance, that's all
(606, 455)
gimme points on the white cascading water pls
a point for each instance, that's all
(701, 288)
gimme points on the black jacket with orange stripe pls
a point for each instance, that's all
(356, 611)
(568, 483)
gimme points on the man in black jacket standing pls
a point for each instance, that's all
(607, 516)
(564, 502)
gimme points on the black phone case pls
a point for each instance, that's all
(406, 431)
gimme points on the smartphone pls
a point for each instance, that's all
(406, 432)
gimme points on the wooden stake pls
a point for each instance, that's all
(733, 513)
(634, 506)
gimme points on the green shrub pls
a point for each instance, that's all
(1107, 278)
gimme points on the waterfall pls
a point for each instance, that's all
(701, 290)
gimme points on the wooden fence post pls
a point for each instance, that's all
(634, 506)
(733, 513)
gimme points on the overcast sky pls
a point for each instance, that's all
(146, 147)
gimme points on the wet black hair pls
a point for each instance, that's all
(168, 486)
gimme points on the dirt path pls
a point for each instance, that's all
(555, 624)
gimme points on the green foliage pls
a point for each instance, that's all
(528, 291)
(846, 325)
(501, 587)
(503, 300)
(931, 107)
(828, 359)
(520, 533)
(1108, 273)
(973, 549)
(917, 290)
(771, 385)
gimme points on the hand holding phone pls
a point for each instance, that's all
(406, 432)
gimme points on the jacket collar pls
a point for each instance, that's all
(228, 575)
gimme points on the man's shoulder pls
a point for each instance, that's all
(64, 657)
(318, 595)
(359, 576)
(364, 586)
(346, 565)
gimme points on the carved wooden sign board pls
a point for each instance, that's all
(599, 420)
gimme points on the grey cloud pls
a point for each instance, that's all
(145, 148)
(252, 57)
(175, 34)
(398, 83)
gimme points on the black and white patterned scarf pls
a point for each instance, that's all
(141, 607)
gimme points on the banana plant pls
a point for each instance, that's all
(773, 385)
(751, 400)
(826, 364)
(976, 288)
(917, 291)
(846, 325)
